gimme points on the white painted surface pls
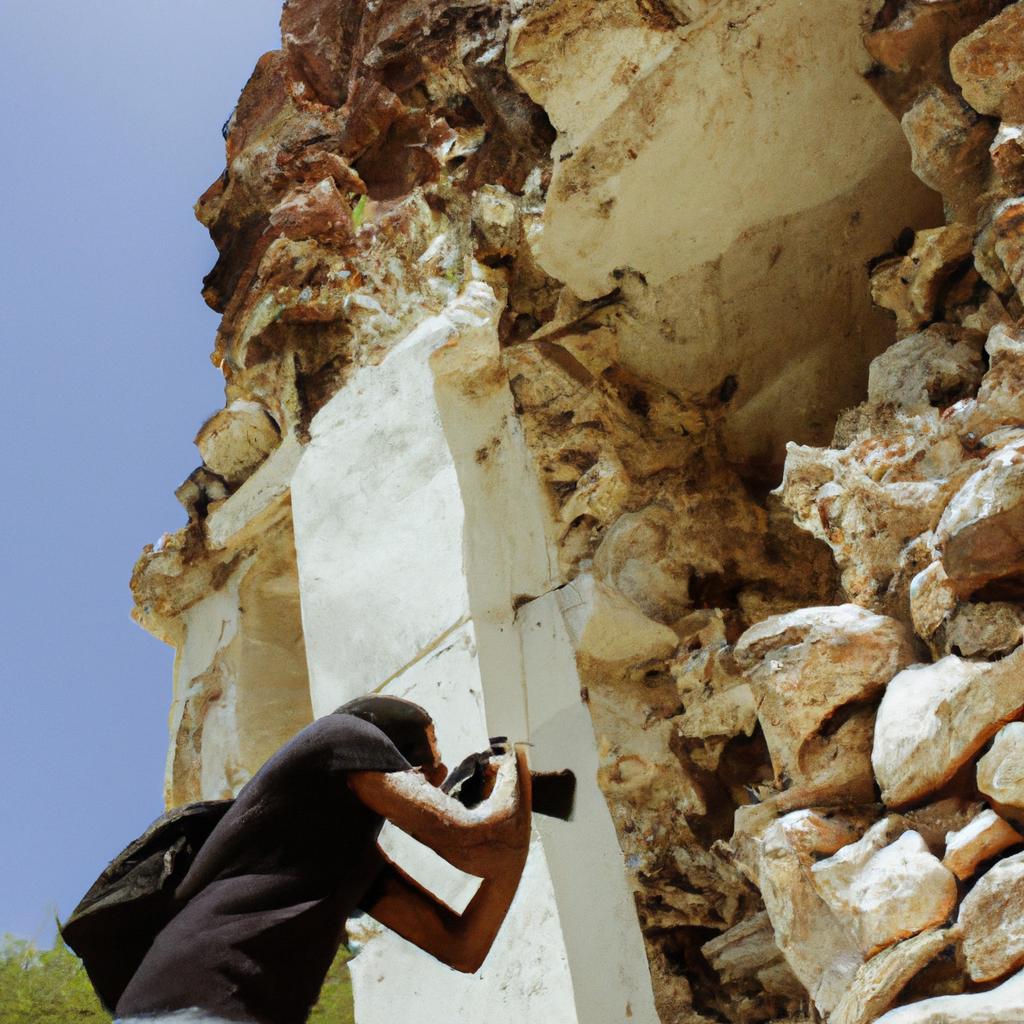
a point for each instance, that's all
(408, 580)
(602, 935)
(386, 608)
(378, 528)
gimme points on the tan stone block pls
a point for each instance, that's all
(987, 65)
(818, 946)
(1001, 770)
(934, 718)
(984, 837)
(981, 533)
(992, 919)
(807, 665)
(886, 889)
(879, 982)
(932, 599)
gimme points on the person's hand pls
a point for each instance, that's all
(502, 843)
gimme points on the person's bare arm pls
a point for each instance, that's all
(461, 941)
(494, 847)
(469, 838)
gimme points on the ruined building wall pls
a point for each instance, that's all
(641, 378)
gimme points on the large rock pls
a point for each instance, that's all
(817, 945)
(722, 258)
(998, 1006)
(934, 367)
(934, 718)
(986, 65)
(985, 629)
(234, 441)
(981, 532)
(886, 889)
(880, 981)
(804, 667)
(992, 919)
(1001, 770)
(875, 501)
(1000, 400)
(982, 838)
(950, 144)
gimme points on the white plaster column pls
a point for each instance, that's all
(379, 533)
(410, 561)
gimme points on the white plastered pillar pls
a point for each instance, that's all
(418, 524)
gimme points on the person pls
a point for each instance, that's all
(264, 903)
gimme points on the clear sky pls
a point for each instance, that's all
(110, 124)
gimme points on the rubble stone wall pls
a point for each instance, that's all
(642, 379)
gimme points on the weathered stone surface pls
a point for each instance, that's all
(914, 40)
(817, 945)
(981, 532)
(1000, 401)
(719, 703)
(997, 1006)
(932, 599)
(987, 629)
(933, 368)
(750, 964)
(934, 718)
(913, 286)
(871, 501)
(982, 838)
(888, 888)
(1007, 236)
(717, 271)
(986, 65)
(1001, 770)
(879, 982)
(806, 666)
(950, 144)
(992, 919)
(234, 441)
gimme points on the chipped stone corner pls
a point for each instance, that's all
(642, 379)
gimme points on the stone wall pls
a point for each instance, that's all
(522, 303)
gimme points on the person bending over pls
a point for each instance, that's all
(264, 903)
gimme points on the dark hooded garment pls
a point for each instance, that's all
(264, 902)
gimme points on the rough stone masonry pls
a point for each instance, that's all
(645, 379)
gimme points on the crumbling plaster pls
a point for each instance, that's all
(522, 304)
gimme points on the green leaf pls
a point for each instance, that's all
(359, 211)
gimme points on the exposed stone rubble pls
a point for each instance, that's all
(992, 922)
(521, 303)
(984, 837)
(888, 888)
(808, 669)
(934, 718)
(1001, 771)
(996, 1006)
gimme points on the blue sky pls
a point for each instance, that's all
(110, 124)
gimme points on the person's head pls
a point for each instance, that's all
(406, 724)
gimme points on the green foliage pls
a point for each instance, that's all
(335, 1006)
(45, 986)
(51, 987)
(359, 211)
